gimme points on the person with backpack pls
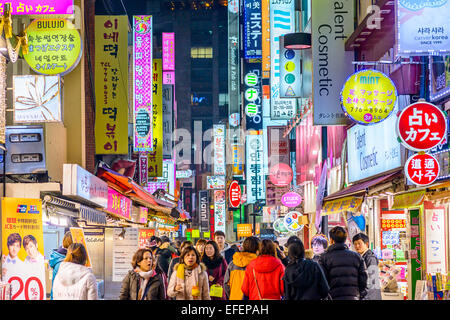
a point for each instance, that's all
(234, 277)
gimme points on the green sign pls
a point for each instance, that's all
(54, 46)
(415, 254)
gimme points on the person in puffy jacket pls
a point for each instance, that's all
(234, 277)
(142, 283)
(344, 269)
(75, 281)
(303, 278)
(58, 255)
(263, 278)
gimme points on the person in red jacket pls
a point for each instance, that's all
(263, 278)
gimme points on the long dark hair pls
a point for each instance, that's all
(217, 254)
(296, 251)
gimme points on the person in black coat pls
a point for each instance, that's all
(303, 278)
(163, 254)
(345, 270)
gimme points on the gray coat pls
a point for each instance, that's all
(131, 285)
(373, 280)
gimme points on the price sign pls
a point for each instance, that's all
(422, 169)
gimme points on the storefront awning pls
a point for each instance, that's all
(408, 199)
(351, 204)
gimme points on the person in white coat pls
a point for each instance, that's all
(75, 281)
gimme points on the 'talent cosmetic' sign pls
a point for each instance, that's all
(372, 150)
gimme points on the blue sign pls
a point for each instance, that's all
(252, 29)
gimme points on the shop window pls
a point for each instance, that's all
(202, 53)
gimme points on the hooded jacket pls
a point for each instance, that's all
(164, 257)
(373, 272)
(74, 282)
(227, 252)
(188, 282)
(131, 285)
(56, 257)
(234, 277)
(304, 280)
(269, 273)
(345, 271)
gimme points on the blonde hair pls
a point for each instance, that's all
(76, 253)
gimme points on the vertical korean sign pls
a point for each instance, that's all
(142, 83)
(282, 21)
(252, 29)
(155, 157)
(168, 57)
(111, 85)
(233, 57)
(332, 65)
(435, 238)
(167, 101)
(219, 210)
(23, 248)
(219, 149)
(256, 189)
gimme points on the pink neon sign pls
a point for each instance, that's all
(168, 54)
(35, 7)
(119, 204)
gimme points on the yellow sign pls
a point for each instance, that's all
(111, 84)
(23, 248)
(54, 46)
(195, 233)
(206, 235)
(351, 204)
(78, 237)
(368, 97)
(408, 200)
(155, 157)
(244, 230)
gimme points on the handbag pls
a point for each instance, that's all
(257, 288)
(216, 290)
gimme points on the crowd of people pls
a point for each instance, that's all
(214, 270)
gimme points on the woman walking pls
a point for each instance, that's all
(264, 276)
(189, 281)
(176, 260)
(75, 281)
(303, 278)
(216, 267)
(142, 283)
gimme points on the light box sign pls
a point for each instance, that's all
(219, 210)
(169, 77)
(167, 109)
(253, 95)
(436, 238)
(168, 42)
(290, 72)
(142, 84)
(439, 77)
(265, 35)
(54, 46)
(215, 182)
(119, 204)
(39, 7)
(37, 99)
(153, 186)
(256, 189)
(423, 27)
(252, 29)
(372, 150)
(169, 174)
(155, 157)
(332, 65)
(233, 57)
(219, 149)
(203, 197)
(282, 21)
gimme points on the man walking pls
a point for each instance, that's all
(344, 269)
(225, 249)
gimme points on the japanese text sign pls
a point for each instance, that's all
(39, 7)
(23, 248)
(168, 54)
(219, 149)
(368, 97)
(421, 126)
(234, 194)
(155, 157)
(252, 29)
(265, 38)
(422, 169)
(142, 83)
(253, 95)
(435, 238)
(119, 204)
(111, 84)
(54, 46)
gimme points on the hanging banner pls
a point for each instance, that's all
(203, 197)
(111, 84)
(435, 238)
(253, 95)
(118, 204)
(256, 189)
(155, 157)
(219, 210)
(37, 99)
(167, 109)
(233, 57)
(168, 53)
(39, 7)
(142, 84)
(282, 21)
(23, 248)
(423, 27)
(252, 29)
(368, 97)
(290, 72)
(332, 65)
(265, 38)
(54, 46)
(219, 149)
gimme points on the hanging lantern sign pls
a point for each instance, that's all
(422, 169)
(421, 126)
(291, 199)
(54, 46)
(292, 221)
(368, 97)
(281, 175)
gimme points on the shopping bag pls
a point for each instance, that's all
(216, 290)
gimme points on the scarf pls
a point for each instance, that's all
(144, 278)
(212, 264)
(184, 271)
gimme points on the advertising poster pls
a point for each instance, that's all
(142, 83)
(423, 27)
(111, 84)
(155, 157)
(252, 29)
(253, 95)
(219, 210)
(23, 248)
(78, 237)
(123, 251)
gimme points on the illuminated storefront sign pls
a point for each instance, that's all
(39, 7)
(253, 101)
(168, 54)
(219, 210)
(256, 189)
(233, 57)
(252, 29)
(119, 204)
(219, 149)
(439, 77)
(155, 157)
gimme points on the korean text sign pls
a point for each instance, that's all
(111, 85)
(155, 157)
(435, 239)
(142, 93)
(38, 7)
(256, 189)
(422, 169)
(54, 46)
(219, 210)
(252, 29)
(144, 236)
(23, 248)
(119, 204)
(168, 42)
(219, 149)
